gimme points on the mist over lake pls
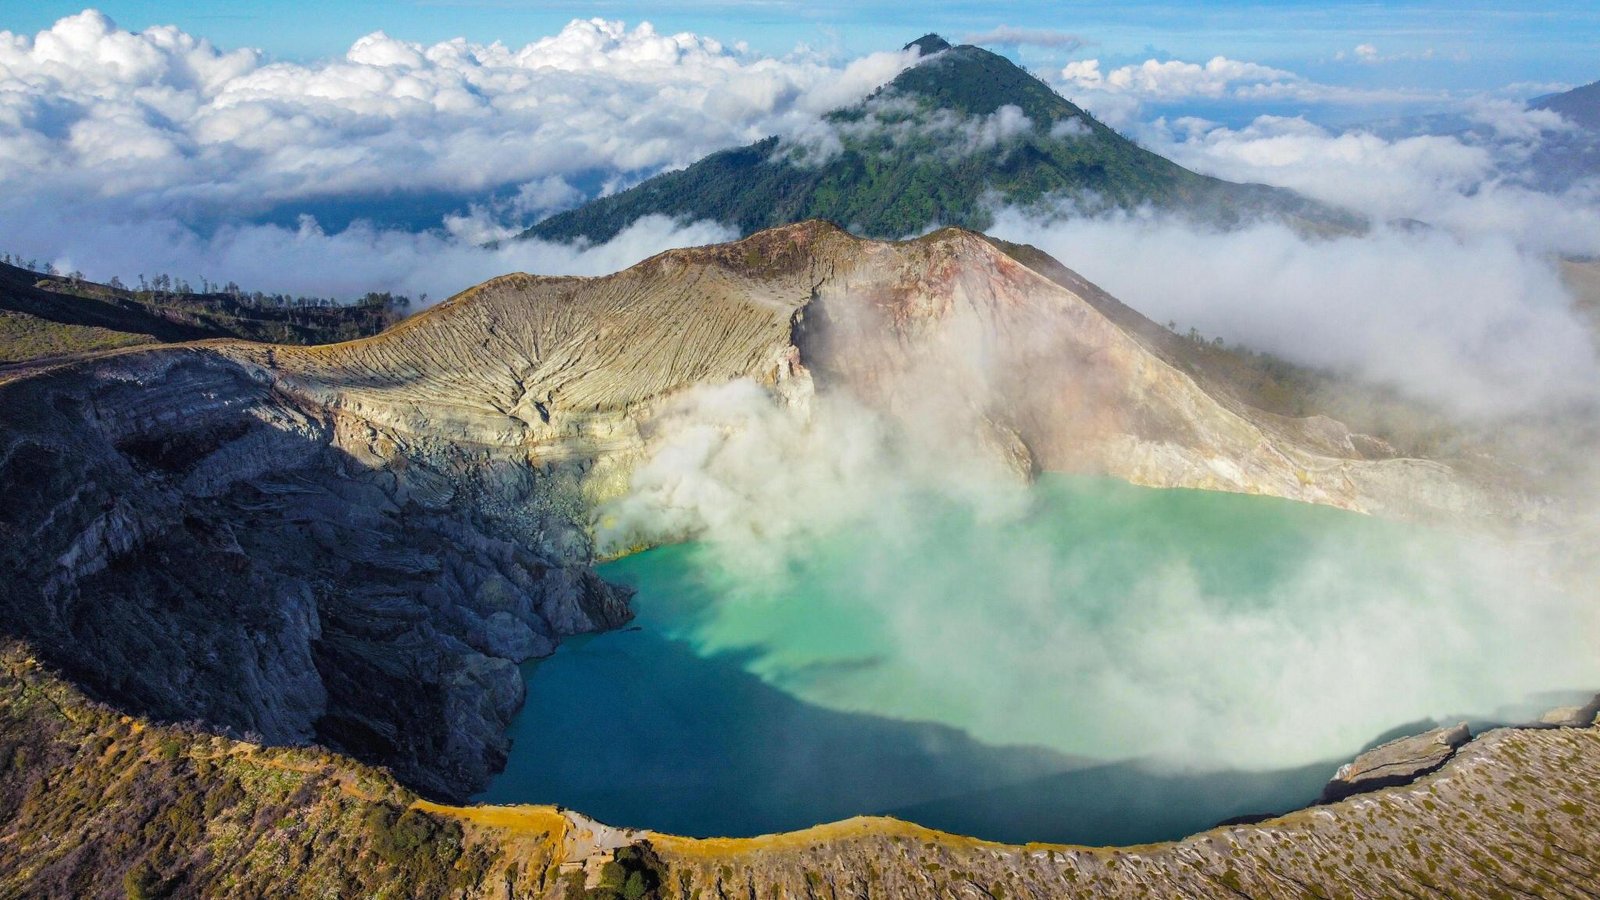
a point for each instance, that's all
(1105, 663)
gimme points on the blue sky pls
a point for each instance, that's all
(1473, 45)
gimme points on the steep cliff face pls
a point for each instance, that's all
(94, 803)
(190, 543)
(354, 544)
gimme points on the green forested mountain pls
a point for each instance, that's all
(942, 144)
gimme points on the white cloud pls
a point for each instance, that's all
(1006, 35)
(1001, 126)
(1116, 96)
(1353, 168)
(1070, 128)
(168, 123)
(307, 261)
(1475, 323)
(1173, 79)
(1368, 54)
(1513, 120)
(896, 125)
(1443, 180)
(1466, 310)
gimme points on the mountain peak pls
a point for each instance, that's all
(973, 81)
(940, 144)
(929, 44)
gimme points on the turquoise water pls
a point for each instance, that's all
(1102, 664)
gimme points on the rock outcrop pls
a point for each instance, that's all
(1400, 761)
(191, 544)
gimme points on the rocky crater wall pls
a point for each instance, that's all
(191, 543)
(355, 544)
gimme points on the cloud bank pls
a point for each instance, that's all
(1454, 297)
(1475, 325)
(1119, 95)
(173, 123)
(309, 261)
(1467, 184)
(125, 152)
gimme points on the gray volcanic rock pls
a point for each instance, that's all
(191, 544)
(1397, 762)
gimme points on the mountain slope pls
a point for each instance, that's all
(36, 321)
(1581, 105)
(941, 144)
(1083, 383)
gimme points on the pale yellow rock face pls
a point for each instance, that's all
(947, 334)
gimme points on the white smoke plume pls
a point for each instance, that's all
(1476, 324)
(982, 616)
